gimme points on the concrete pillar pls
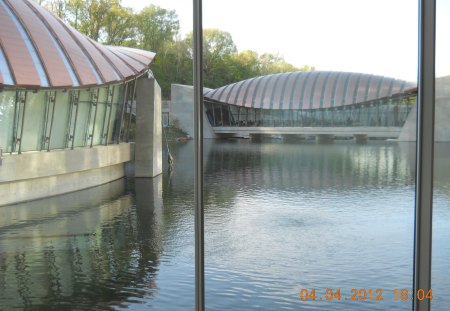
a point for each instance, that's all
(148, 147)
(360, 138)
(293, 137)
(324, 138)
(256, 137)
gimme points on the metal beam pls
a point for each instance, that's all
(425, 153)
(198, 140)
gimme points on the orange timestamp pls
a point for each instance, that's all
(363, 294)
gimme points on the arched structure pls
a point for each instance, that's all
(313, 98)
(63, 93)
(308, 90)
(38, 50)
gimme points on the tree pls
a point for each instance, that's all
(156, 27)
(119, 26)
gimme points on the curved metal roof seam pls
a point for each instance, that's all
(42, 75)
(80, 62)
(92, 54)
(283, 89)
(6, 76)
(40, 50)
(117, 73)
(244, 100)
(308, 90)
(239, 94)
(369, 83)
(274, 89)
(46, 49)
(123, 51)
(59, 46)
(313, 88)
(128, 60)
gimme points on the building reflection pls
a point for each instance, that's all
(90, 249)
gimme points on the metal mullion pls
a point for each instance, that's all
(424, 153)
(76, 103)
(122, 113)
(69, 121)
(104, 116)
(87, 135)
(45, 122)
(24, 101)
(49, 137)
(95, 103)
(198, 140)
(110, 103)
(15, 122)
(131, 112)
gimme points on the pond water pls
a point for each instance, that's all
(280, 219)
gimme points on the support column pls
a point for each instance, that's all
(360, 138)
(256, 137)
(324, 138)
(293, 137)
(148, 147)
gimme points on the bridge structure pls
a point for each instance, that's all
(323, 104)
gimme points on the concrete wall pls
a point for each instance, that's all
(34, 175)
(148, 151)
(183, 111)
(442, 115)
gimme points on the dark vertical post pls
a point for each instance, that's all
(53, 101)
(77, 103)
(110, 103)
(131, 110)
(198, 138)
(425, 152)
(23, 100)
(122, 114)
(94, 101)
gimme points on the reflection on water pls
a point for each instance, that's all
(278, 218)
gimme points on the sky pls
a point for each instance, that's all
(376, 37)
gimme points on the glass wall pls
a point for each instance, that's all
(32, 131)
(7, 107)
(311, 224)
(58, 119)
(58, 136)
(387, 112)
(440, 279)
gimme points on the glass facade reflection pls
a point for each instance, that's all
(35, 120)
(385, 112)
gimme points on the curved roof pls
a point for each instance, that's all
(37, 49)
(308, 90)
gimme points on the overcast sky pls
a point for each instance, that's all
(377, 37)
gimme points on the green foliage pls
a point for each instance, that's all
(157, 29)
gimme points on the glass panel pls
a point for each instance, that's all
(319, 216)
(59, 129)
(7, 104)
(440, 281)
(84, 106)
(99, 120)
(33, 123)
(115, 113)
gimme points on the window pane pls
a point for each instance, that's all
(59, 130)
(321, 195)
(441, 209)
(33, 123)
(84, 106)
(7, 104)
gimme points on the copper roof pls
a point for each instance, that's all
(308, 90)
(37, 49)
